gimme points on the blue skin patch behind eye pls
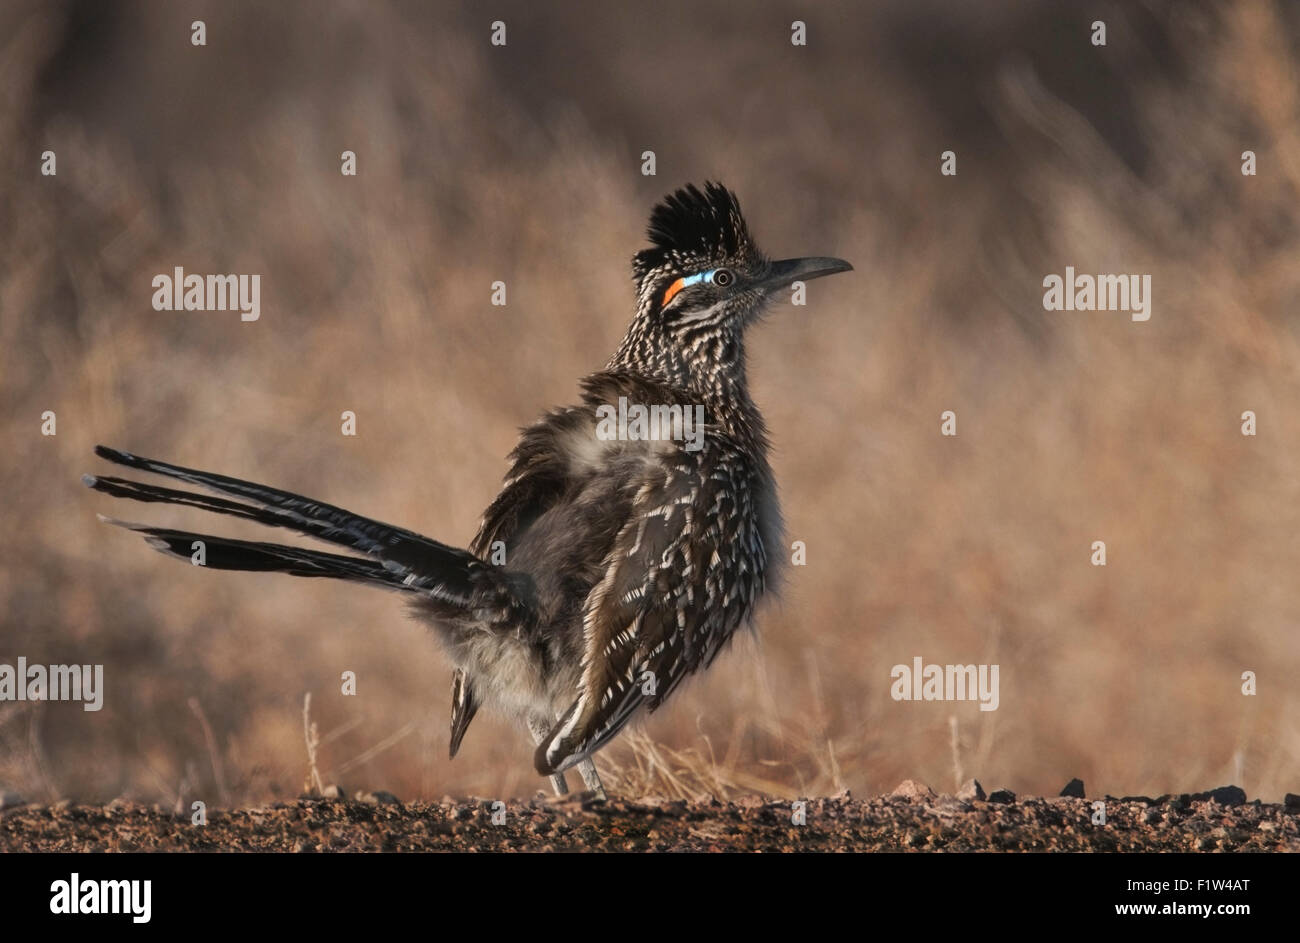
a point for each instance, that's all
(675, 288)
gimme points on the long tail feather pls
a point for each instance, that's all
(454, 582)
(225, 553)
(418, 555)
(139, 491)
(448, 582)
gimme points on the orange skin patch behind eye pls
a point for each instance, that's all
(673, 289)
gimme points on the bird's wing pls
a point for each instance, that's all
(540, 471)
(683, 571)
(538, 478)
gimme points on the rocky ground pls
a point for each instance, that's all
(913, 818)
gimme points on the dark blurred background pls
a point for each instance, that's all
(522, 164)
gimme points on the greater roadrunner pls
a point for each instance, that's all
(619, 558)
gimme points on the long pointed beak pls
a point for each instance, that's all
(786, 271)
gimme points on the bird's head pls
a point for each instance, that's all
(703, 279)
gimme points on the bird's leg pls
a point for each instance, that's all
(591, 779)
(539, 728)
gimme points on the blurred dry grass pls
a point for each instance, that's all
(522, 164)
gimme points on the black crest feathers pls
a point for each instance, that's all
(694, 223)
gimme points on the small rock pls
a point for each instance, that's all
(1074, 789)
(11, 800)
(949, 805)
(912, 789)
(378, 797)
(971, 789)
(1225, 795)
(334, 792)
(1004, 796)
(1292, 802)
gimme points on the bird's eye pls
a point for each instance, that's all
(722, 278)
